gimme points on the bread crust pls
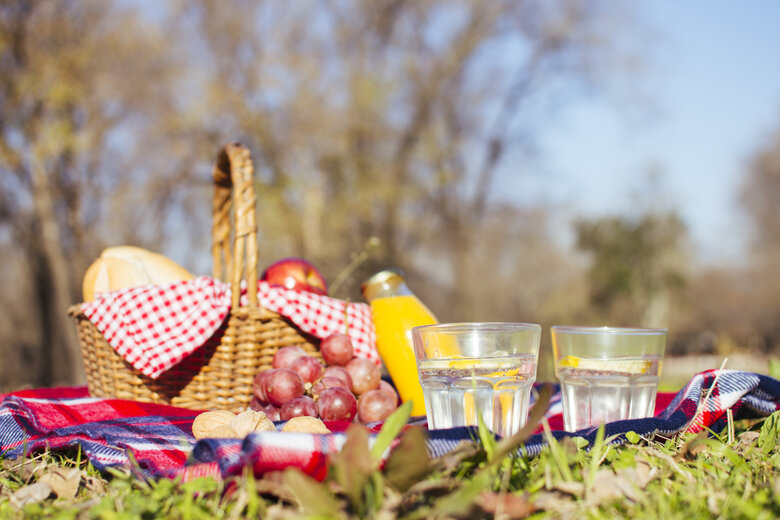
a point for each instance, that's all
(129, 266)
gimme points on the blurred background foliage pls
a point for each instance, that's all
(390, 119)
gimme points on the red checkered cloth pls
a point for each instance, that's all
(151, 440)
(157, 440)
(154, 327)
(106, 430)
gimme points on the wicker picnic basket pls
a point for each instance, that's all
(218, 375)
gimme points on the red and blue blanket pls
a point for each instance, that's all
(156, 440)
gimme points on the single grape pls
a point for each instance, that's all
(375, 405)
(297, 407)
(286, 355)
(390, 390)
(327, 382)
(258, 386)
(308, 367)
(336, 404)
(256, 404)
(271, 411)
(364, 373)
(340, 373)
(282, 385)
(337, 349)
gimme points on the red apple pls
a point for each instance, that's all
(296, 273)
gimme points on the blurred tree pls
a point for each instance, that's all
(729, 308)
(398, 120)
(71, 73)
(389, 118)
(760, 197)
(718, 309)
(636, 266)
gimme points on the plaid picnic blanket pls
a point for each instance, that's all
(156, 440)
(154, 327)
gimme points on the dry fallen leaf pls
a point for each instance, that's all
(451, 460)
(506, 505)
(641, 475)
(607, 486)
(714, 499)
(64, 482)
(571, 487)
(555, 502)
(692, 446)
(31, 494)
(9, 464)
(272, 483)
(94, 485)
(748, 439)
(24, 468)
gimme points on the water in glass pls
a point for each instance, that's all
(497, 387)
(599, 390)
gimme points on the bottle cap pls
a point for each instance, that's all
(383, 283)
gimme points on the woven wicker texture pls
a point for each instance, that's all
(220, 374)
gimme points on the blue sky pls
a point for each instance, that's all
(713, 84)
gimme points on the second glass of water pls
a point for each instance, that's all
(472, 369)
(607, 373)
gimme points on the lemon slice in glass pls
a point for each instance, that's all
(639, 366)
(482, 366)
(461, 363)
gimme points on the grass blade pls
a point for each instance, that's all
(767, 438)
(535, 415)
(595, 454)
(409, 462)
(352, 466)
(314, 497)
(390, 430)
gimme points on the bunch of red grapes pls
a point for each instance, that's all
(345, 388)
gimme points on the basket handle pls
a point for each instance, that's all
(234, 175)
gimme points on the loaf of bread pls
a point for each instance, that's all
(129, 266)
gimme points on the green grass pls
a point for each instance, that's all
(671, 386)
(723, 475)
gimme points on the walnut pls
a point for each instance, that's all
(207, 421)
(305, 424)
(265, 425)
(251, 421)
(223, 432)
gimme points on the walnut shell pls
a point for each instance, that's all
(251, 421)
(207, 421)
(223, 432)
(305, 424)
(265, 425)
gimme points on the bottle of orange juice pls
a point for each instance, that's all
(396, 310)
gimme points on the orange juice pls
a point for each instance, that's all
(395, 312)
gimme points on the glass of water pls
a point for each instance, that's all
(472, 369)
(606, 373)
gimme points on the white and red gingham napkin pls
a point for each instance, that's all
(154, 327)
